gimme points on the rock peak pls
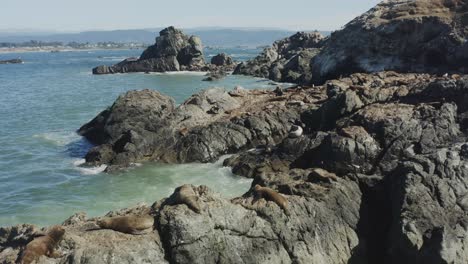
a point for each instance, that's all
(170, 30)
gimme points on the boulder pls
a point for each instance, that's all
(222, 59)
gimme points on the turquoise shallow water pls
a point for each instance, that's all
(43, 102)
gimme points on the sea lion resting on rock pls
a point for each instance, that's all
(43, 246)
(186, 195)
(271, 195)
(131, 224)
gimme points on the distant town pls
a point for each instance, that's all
(56, 46)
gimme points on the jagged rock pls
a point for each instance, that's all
(320, 228)
(145, 125)
(173, 51)
(402, 35)
(288, 60)
(428, 205)
(381, 179)
(222, 59)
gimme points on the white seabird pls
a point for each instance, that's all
(295, 132)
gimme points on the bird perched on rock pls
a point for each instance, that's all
(295, 131)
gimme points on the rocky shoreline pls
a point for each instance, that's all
(364, 168)
(379, 176)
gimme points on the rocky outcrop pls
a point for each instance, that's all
(145, 125)
(402, 35)
(12, 61)
(173, 51)
(288, 60)
(404, 143)
(423, 36)
(244, 230)
(378, 176)
(222, 59)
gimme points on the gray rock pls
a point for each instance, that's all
(172, 51)
(222, 59)
(288, 60)
(402, 35)
(12, 61)
(145, 125)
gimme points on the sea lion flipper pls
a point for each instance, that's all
(142, 232)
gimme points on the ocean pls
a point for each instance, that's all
(46, 99)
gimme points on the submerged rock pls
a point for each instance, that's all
(12, 61)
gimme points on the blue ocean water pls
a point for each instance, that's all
(45, 100)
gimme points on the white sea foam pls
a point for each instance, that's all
(57, 138)
(196, 73)
(79, 162)
(88, 170)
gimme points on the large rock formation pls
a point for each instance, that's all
(288, 60)
(426, 36)
(400, 35)
(405, 145)
(173, 51)
(145, 125)
(379, 175)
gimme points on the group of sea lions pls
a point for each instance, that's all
(45, 245)
(138, 224)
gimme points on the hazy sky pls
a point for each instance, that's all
(63, 15)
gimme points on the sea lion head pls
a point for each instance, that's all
(56, 232)
(257, 187)
(103, 223)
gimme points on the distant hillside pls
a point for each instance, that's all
(210, 37)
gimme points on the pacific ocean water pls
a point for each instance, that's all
(46, 99)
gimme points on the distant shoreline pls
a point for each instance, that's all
(54, 49)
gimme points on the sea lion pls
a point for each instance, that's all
(295, 132)
(322, 175)
(130, 224)
(187, 196)
(271, 195)
(43, 246)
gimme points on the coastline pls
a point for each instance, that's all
(51, 49)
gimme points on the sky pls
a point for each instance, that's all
(81, 15)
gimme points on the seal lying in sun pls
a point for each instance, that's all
(43, 246)
(130, 224)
